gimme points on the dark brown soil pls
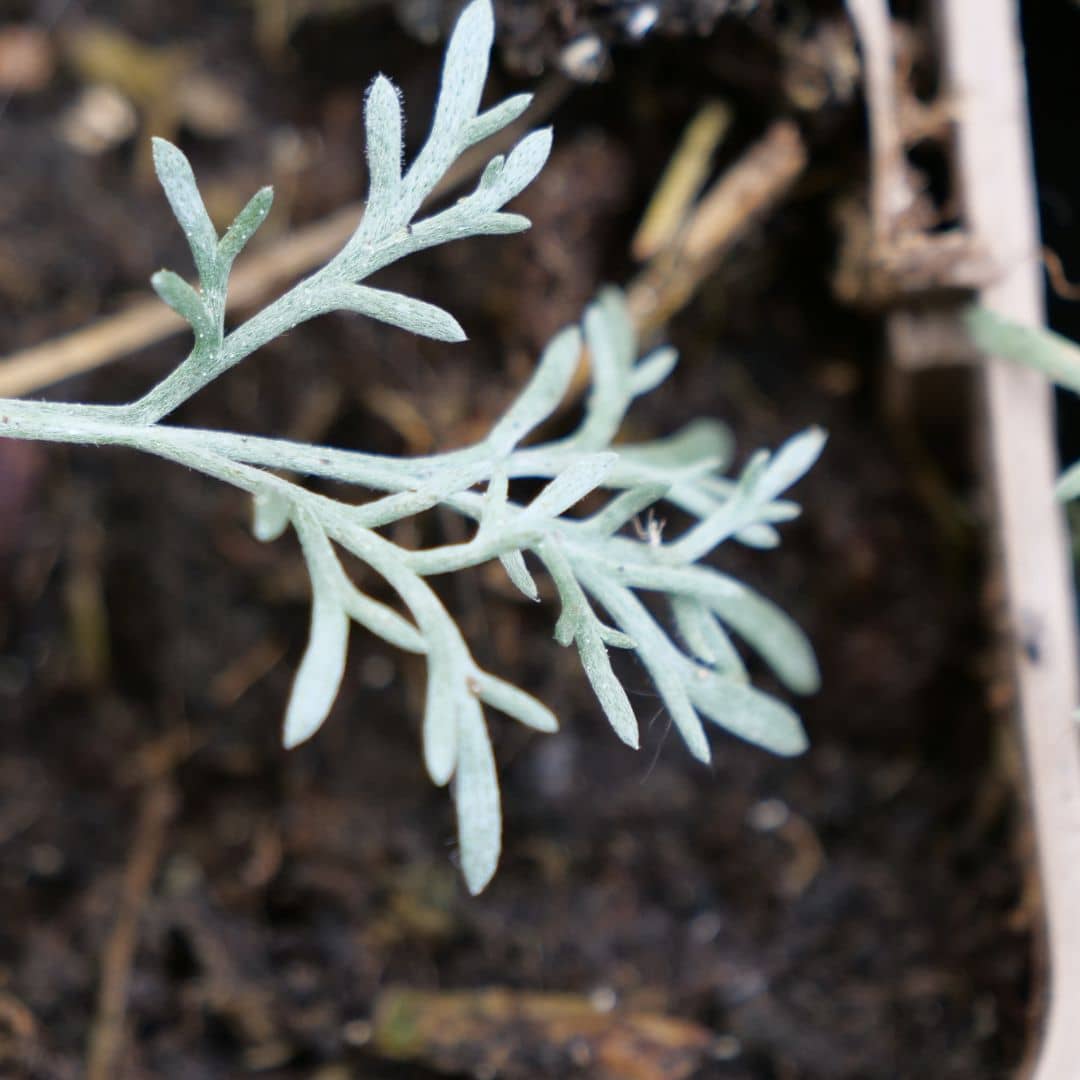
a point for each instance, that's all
(856, 913)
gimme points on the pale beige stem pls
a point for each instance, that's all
(984, 67)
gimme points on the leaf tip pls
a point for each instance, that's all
(160, 147)
(166, 156)
(477, 878)
(793, 743)
(698, 747)
(481, 12)
(298, 729)
(818, 435)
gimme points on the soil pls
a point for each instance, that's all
(859, 912)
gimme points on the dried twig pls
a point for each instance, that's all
(984, 65)
(752, 187)
(682, 181)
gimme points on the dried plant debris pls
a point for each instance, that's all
(519, 1035)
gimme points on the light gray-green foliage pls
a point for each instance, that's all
(1055, 356)
(598, 563)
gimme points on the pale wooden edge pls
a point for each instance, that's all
(983, 62)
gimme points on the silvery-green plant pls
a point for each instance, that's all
(599, 562)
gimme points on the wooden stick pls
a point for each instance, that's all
(984, 66)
